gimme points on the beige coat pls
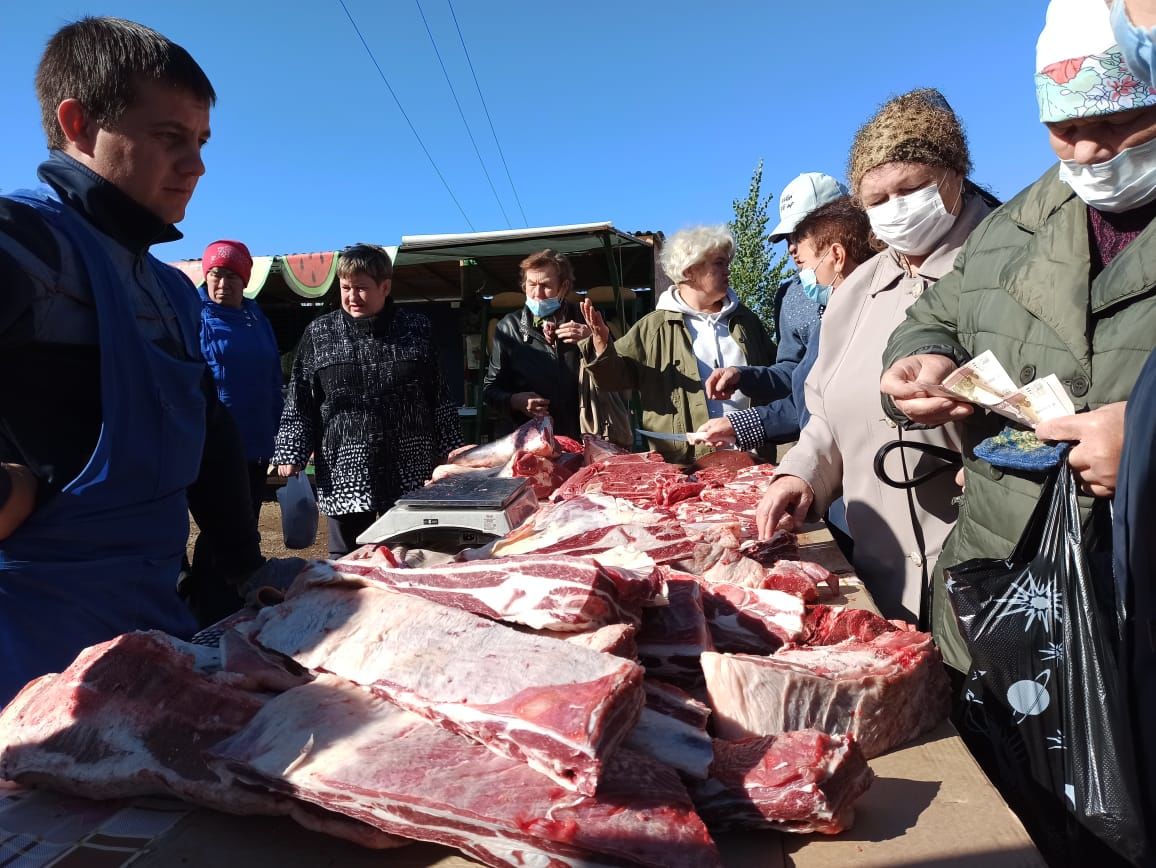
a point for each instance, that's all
(836, 449)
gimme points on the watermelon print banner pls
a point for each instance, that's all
(309, 274)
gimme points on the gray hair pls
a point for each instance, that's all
(688, 247)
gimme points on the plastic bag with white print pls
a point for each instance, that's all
(1044, 681)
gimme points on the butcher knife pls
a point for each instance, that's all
(691, 437)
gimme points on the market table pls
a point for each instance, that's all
(930, 804)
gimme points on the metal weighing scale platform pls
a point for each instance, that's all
(455, 513)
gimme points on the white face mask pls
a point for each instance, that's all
(1126, 181)
(914, 223)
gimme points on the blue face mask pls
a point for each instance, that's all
(817, 292)
(1136, 44)
(543, 307)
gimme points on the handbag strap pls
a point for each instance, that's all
(952, 462)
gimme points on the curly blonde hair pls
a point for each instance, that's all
(914, 127)
(688, 247)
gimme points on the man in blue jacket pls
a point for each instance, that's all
(110, 431)
(798, 311)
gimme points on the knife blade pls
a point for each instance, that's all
(691, 437)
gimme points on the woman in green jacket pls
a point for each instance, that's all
(1061, 279)
(698, 325)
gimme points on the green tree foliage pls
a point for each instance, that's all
(756, 271)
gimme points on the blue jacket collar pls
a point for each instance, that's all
(105, 206)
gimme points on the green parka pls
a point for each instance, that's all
(656, 358)
(1021, 289)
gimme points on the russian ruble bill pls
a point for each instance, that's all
(984, 381)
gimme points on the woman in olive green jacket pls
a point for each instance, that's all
(699, 325)
(1062, 279)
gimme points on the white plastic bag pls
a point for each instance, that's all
(298, 512)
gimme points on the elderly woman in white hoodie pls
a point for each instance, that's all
(698, 325)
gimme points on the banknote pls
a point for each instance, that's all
(1038, 401)
(983, 380)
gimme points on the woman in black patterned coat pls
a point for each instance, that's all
(367, 399)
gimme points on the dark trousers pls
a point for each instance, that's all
(344, 530)
(258, 478)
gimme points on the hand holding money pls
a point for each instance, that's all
(984, 381)
(914, 385)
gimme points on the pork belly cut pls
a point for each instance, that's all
(556, 592)
(882, 692)
(672, 729)
(335, 744)
(133, 717)
(558, 706)
(805, 781)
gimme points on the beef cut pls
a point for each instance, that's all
(673, 636)
(339, 746)
(555, 592)
(830, 625)
(132, 717)
(752, 620)
(560, 707)
(672, 729)
(804, 781)
(883, 692)
(637, 477)
(580, 521)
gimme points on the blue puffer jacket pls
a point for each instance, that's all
(242, 354)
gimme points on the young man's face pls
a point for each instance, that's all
(153, 152)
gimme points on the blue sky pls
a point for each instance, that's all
(649, 115)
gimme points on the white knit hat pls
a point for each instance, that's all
(1080, 71)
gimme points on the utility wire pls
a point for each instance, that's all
(413, 129)
(490, 120)
(462, 114)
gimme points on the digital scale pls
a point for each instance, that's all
(455, 513)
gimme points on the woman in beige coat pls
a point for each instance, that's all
(908, 169)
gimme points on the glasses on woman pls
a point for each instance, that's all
(223, 275)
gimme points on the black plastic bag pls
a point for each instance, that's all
(1044, 677)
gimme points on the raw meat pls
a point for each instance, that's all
(547, 593)
(595, 449)
(783, 545)
(545, 474)
(752, 620)
(728, 461)
(338, 746)
(616, 639)
(787, 574)
(673, 636)
(829, 625)
(588, 517)
(637, 477)
(801, 578)
(883, 692)
(672, 730)
(795, 782)
(557, 706)
(132, 717)
(535, 437)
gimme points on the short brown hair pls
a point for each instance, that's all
(838, 221)
(368, 259)
(100, 62)
(548, 258)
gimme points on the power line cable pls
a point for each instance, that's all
(490, 120)
(412, 128)
(462, 114)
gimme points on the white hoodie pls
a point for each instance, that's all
(710, 338)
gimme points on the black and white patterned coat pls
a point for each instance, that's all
(367, 398)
